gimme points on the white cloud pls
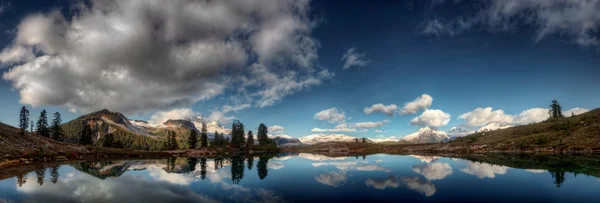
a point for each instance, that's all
(433, 171)
(378, 131)
(483, 116)
(432, 117)
(577, 20)
(333, 179)
(227, 108)
(422, 102)
(575, 111)
(333, 115)
(352, 58)
(391, 182)
(162, 116)
(140, 56)
(388, 110)
(220, 118)
(275, 165)
(276, 129)
(533, 115)
(484, 170)
(424, 187)
(536, 170)
(370, 124)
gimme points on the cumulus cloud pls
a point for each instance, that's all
(536, 170)
(483, 116)
(371, 124)
(220, 118)
(77, 187)
(484, 170)
(276, 129)
(333, 115)
(380, 108)
(321, 130)
(433, 171)
(333, 179)
(227, 108)
(424, 187)
(533, 115)
(574, 19)
(574, 111)
(391, 182)
(275, 165)
(138, 56)
(162, 116)
(422, 102)
(353, 58)
(432, 117)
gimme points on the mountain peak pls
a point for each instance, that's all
(425, 135)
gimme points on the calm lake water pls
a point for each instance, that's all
(300, 178)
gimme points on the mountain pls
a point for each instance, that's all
(286, 141)
(324, 138)
(425, 135)
(105, 122)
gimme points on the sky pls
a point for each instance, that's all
(376, 69)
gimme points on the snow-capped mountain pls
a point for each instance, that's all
(323, 138)
(459, 132)
(379, 140)
(494, 126)
(426, 135)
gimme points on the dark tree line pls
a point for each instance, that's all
(555, 110)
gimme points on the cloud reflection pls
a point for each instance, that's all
(433, 171)
(484, 170)
(332, 179)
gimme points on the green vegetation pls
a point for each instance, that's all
(203, 136)
(42, 125)
(250, 139)
(193, 139)
(24, 120)
(56, 132)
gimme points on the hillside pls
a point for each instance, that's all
(15, 148)
(579, 131)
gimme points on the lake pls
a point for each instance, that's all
(302, 177)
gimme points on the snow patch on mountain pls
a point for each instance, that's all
(426, 135)
(324, 138)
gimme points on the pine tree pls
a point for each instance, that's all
(193, 139)
(262, 134)
(173, 141)
(56, 130)
(555, 110)
(42, 125)
(204, 136)
(237, 133)
(24, 119)
(250, 140)
(217, 140)
(364, 140)
(356, 139)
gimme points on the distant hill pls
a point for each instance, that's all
(577, 131)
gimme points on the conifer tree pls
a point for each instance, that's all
(42, 125)
(204, 136)
(250, 139)
(555, 110)
(24, 119)
(85, 138)
(56, 130)
(193, 139)
(262, 134)
(237, 133)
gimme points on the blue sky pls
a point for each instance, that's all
(464, 55)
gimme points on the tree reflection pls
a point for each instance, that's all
(192, 163)
(170, 164)
(250, 162)
(203, 168)
(559, 177)
(261, 166)
(21, 179)
(237, 169)
(40, 174)
(54, 174)
(218, 163)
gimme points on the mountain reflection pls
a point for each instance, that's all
(227, 179)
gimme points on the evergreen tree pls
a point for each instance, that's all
(250, 162)
(172, 140)
(193, 139)
(204, 136)
(262, 134)
(572, 113)
(237, 169)
(40, 174)
(42, 125)
(108, 140)
(261, 167)
(21, 179)
(203, 168)
(54, 174)
(217, 140)
(364, 140)
(23, 119)
(356, 139)
(31, 127)
(192, 163)
(555, 110)
(56, 130)
(237, 133)
(250, 140)
(85, 138)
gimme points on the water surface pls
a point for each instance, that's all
(304, 178)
